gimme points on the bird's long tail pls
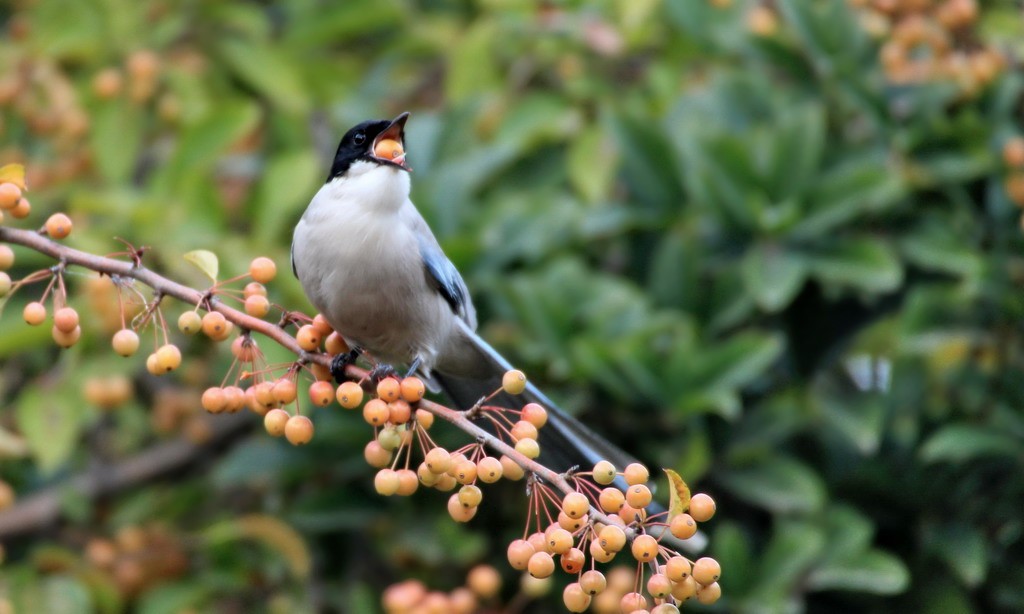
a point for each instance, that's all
(564, 441)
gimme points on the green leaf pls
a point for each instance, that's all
(288, 181)
(774, 275)
(864, 264)
(273, 532)
(116, 136)
(963, 548)
(678, 494)
(794, 548)
(957, 443)
(591, 164)
(173, 598)
(778, 484)
(471, 67)
(873, 572)
(204, 260)
(266, 69)
(50, 421)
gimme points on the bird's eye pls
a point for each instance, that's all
(359, 138)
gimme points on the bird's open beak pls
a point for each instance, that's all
(389, 146)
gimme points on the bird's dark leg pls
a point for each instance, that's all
(413, 367)
(380, 371)
(340, 361)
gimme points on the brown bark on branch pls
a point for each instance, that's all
(43, 508)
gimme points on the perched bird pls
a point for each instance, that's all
(370, 264)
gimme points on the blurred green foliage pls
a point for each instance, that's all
(720, 232)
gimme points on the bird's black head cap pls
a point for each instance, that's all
(367, 141)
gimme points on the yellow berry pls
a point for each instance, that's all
(593, 582)
(215, 325)
(283, 391)
(682, 526)
(321, 393)
(386, 482)
(488, 469)
(513, 382)
(541, 565)
(519, 553)
(376, 455)
(575, 505)
(389, 389)
(308, 338)
(659, 586)
(459, 512)
(168, 358)
(484, 580)
(257, 306)
(510, 469)
(6, 257)
(611, 500)
(214, 400)
(709, 594)
(376, 412)
(190, 323)
(604, 472)
(575, 598)
(528, 448)
(412, 389)
(638, 496)
(635, 473)
(125, 342)
(10, 194)
(612, 538)
(644, 548)
(275, 422)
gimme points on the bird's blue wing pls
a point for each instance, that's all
(445, 278)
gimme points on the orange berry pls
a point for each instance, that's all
(298, 430)
(702, 507)
(264, 392)
(275, 421)
(262, 269)
(214, 400)
(376, 412)
(10, 194)
(376, 455)
(65, 319)
(407, 482)
(593, 582)
(151, 364)
(541, 565)
(574, 598)
(107, 83)
(388, 149)
(399, 412)
(21, 209)
(572, 524)
(684, 589)
(58, 226)
(190, 323)
(321, 393)
(535, 414)
(1013, 152)
(599, 554)
(659, 586)
(283, 391)
(386, 482)
(34, 313)
(143, 65)
(6, 256)
(523, 430)
(257, 306)
(234, 398)
(459, 512)
(321, 325)
(308, 338)
(244, 348)
(320, 372)
(335, 344)
(575, 505)
(350, 395)
(631, 602)
(424, 418)
(611, 500)
(412, 389)
(572, 562)
(125, 342)
(709, 594)
(635, 473)
(428, 477)
(559, 541)
(638, 496)
(519, 553)
(612, 538)
(254, 288)
(389, 389)
(706, 570)
(682, 526)
(253, 402)
(513, 382)
(677, 568)
(484, 580)
(438, 460)
(629, 514)
(644, 548)
(488, 469)
(64, 339)
(215, 325)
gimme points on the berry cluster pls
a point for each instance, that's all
(138, 557)
(483, 583)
